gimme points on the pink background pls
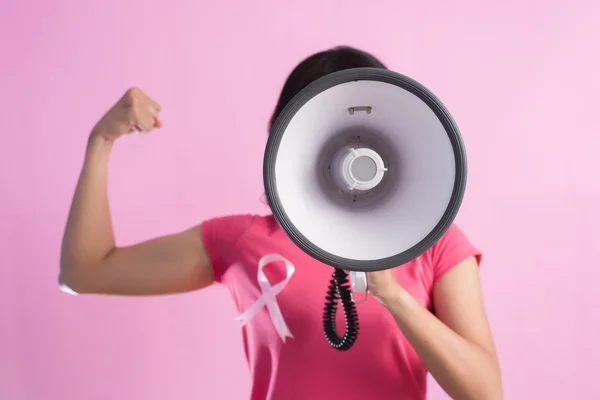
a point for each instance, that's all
(521, 78)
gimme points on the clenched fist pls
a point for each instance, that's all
(134, 112)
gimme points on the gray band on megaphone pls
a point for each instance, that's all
(328, 82)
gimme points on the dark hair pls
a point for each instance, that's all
(319, 65)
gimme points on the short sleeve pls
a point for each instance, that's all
(220, 236)
(450, 250)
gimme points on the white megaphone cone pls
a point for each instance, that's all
(364, 170)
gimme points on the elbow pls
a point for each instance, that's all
(72, 283)
(483, 387)
(497, 391)
(490, 382)
(496, 394)
(483, 393)
(491, 391)
(67, 287)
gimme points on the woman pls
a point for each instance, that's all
(401, 336)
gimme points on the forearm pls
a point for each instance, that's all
(463, 369)
(88, 235)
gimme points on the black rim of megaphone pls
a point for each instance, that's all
(327, 82)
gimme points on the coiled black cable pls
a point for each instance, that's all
(339, 289)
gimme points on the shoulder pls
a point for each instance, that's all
(227, 223)
(227, 230)
(226, 238)
(452, 237)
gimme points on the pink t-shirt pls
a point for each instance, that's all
(381, 365)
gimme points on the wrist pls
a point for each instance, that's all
(398, 297)
(98, 145)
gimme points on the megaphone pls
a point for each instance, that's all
(364, 170)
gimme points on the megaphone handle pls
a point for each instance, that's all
(358, 281)
(339, 290)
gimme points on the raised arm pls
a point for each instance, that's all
(91, 263)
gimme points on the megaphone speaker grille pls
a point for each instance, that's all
(365, 169)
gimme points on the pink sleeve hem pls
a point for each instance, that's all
(220, 236)
(452, 249)
(450, 265)
(213, 253)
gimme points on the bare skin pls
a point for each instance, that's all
(90, 260)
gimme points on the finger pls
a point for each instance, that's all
(141, 120)
(146, 124)
(130, 123)
(135, 125)
(154, 110)
(156, 123)
(149, 121)
(136, 128)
